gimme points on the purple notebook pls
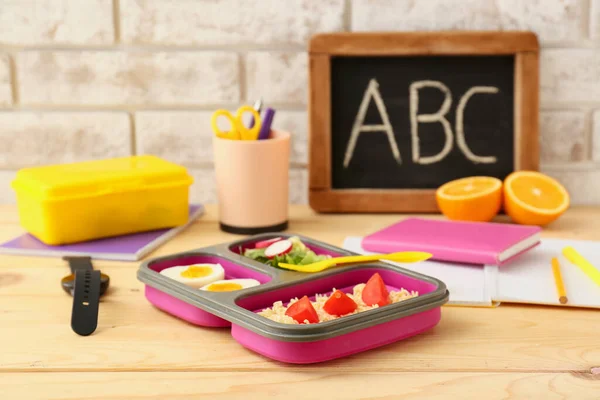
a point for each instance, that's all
(126, 248)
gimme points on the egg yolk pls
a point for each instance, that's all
(196, 272)
(224, 287)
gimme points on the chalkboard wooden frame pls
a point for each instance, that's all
(523, 45)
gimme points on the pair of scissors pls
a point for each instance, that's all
(238, 130)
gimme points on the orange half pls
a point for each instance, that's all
(477, 198)
(533, 198)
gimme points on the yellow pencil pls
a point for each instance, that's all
(560, 287)
(573, 256)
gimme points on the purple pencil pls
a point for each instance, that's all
(265, 129)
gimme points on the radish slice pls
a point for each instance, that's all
(266, 243)
(278, 248)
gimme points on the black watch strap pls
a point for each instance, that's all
(86, 300)
(82, 262)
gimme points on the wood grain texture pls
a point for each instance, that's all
(417, 43)
(134, 336)
(319, 110)
(373, 201)
(527, 111)
(294, 385)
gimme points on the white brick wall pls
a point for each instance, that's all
(569, 76)
(595, 19)
(183, 137)
(227, 22)
(42, 22)
(596, 137)
(204, 188)
(298, 186)
(581, 183)
(279, 77)
(35, 138)
(552, 20)
(7, 195)
(128, 78)
(5, 89)
(102, 78)
(295, 122)
(564, 136)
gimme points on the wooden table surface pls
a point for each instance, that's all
(139, 352)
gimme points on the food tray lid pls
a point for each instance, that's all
(96, 177)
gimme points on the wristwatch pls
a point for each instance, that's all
(86, 285)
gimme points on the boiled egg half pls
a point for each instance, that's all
(196, 275)
(230, 285)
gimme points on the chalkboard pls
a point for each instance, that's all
(481, 144)
(395, 116)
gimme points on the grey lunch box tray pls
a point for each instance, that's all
(226, 305)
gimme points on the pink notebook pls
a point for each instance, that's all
(456, 241)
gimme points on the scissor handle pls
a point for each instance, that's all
(248, 133)
(234, 133)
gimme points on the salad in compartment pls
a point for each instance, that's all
(279, 250)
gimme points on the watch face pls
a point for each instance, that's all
(68, 283)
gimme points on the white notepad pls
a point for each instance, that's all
(527, 279)
(467, 284)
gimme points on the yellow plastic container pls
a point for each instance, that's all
(70, 203)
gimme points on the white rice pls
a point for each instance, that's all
(277, 312)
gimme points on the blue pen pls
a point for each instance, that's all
(265, 129)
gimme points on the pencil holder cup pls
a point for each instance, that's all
(252, 179)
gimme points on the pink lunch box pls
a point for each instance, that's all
(294, 343)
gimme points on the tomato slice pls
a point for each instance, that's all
(303, 310)
(339, 303)
(375, 292)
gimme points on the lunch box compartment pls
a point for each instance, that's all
(342, 280)
(249, 244)
(339, 346)
(183, 310)
(232, 270)
(189, 312)
(404, 322)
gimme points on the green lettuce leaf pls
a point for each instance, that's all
(299, 255)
